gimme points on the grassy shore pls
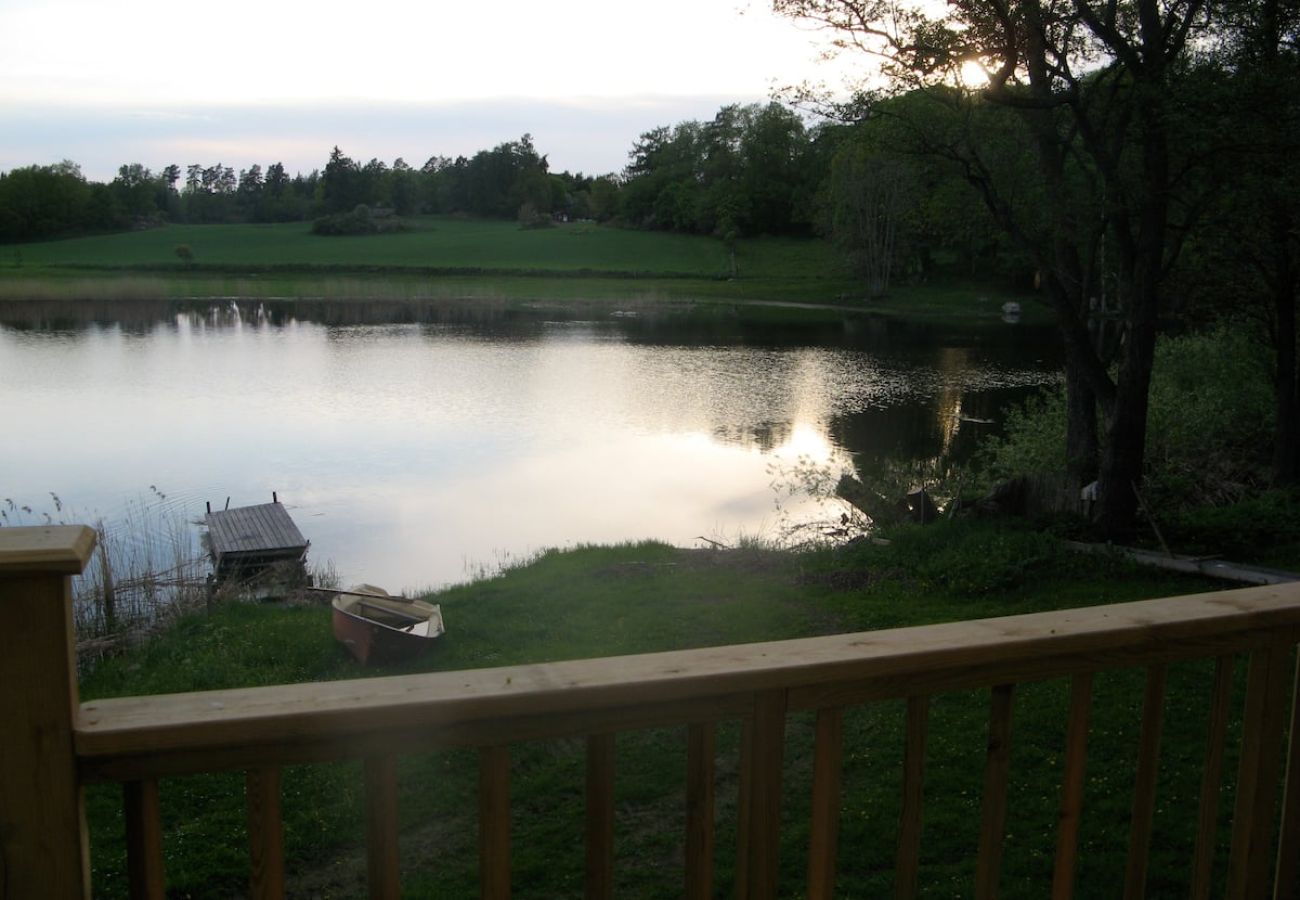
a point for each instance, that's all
(468, 261)
(645, 597)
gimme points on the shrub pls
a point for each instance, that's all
(1240, 529)
(1208, 427)
(531, 217)
(362, 220)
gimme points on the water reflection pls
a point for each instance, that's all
(411, 450)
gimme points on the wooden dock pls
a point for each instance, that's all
(250, 538)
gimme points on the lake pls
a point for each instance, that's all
(414, 449)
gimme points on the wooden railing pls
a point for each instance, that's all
(52, 745)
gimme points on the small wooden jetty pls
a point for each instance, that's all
(247, 540)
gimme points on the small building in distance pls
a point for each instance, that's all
(247, 541)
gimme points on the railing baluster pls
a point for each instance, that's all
(1257, 779)
(828, 755)
(1216, 740)
(382, 860)
(494, 823)
(1287, 879)
(600, 817)
(743, 805)
(1071, 811)
(993, 813)
(907, 868)
(701, 755)
(763, 824)
(1144, 786)
(265, 834)
(144, 855)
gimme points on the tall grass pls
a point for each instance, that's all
(147, 568)
(45, 289)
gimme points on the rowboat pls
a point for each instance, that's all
(377, 627)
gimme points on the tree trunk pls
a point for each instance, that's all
(1286, 441)
(1081, 444)
(1122, 459)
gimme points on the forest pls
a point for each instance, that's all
(751, 170)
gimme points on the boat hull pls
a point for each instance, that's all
(374, 643)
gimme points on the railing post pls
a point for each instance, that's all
(43, 847)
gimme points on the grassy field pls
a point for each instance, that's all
(645, 597)
(437, 243)
(466, 261)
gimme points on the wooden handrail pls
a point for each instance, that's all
(137, 740)
(132, 737)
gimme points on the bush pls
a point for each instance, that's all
(1238, 530)
(1033, 440)
(531, 217)
(361, 220)
(1208, 429)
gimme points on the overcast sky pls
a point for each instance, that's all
(240, 82)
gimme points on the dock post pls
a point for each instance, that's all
(43, 845)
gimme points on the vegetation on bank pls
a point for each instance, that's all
(645, 597)
(1208, 486)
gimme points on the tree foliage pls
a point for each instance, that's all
(1117, 147)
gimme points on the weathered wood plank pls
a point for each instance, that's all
(43, 847)
(701, 755)
(1257, 778)
(600, 817)
(1207, 818)
(494, 823)
(577, 697)
(265, 834)
(908, 866)
(823, 843)
(144, 854)
(1193, 565)
(993, 809)
(253, 529)
(1071, 810)
(382, 855)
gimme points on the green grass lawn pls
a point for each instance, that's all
(646, 597)
(432, 242)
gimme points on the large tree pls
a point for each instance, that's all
(1090, 82)
(1258, 217)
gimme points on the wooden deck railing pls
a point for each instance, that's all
(52, 745)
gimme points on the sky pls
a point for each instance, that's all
(260, 81)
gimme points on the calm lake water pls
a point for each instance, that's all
(415, 452)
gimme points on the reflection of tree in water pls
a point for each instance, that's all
(763, 436)
(930, 436)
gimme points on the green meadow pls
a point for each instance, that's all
(448, 243)
(469, 261)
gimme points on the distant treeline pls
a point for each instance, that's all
(751, 170)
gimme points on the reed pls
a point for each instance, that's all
(149, 569)
(132, 287)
